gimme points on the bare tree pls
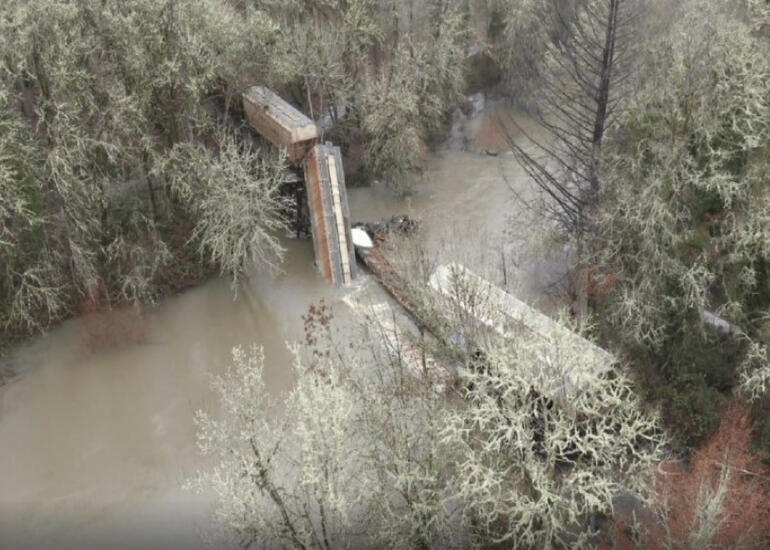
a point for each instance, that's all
(581, 79)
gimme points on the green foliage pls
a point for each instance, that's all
(690, 378)
(684, 223)
(761, 414)
(693, 409)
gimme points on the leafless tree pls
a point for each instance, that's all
(588, 60)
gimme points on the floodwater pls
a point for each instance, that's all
(95, 444)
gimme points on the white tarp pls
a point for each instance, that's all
(361, 238)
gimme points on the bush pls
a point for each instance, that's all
(692, 409)
(696, 376)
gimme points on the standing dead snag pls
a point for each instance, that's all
(580, 81)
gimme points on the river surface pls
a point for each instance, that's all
(96, 443)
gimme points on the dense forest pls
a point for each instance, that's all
(124, 172)
(127, 174)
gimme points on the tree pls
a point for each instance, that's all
(382, 75)
(29, 281)
(538, 472)
(255, 470)
(717, 500)
(372, 449)
(235, 198)
(553, 431)
(580, 83)
(684, 226)
(406, 101)
(519, 31)
(759, 12)
(97, 98)
(389, 111)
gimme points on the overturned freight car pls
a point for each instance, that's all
(329, 214)
(279, 122)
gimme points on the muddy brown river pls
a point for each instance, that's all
(95, 444)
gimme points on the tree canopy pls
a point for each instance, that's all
(684, 222)
(123, 169)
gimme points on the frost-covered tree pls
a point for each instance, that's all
(389, 112)
(30, 285)
(351, 457)
(377, 75)
(520, 32)
(546, 442)
(235, 199)
(759, 13)
(407, 99)
(288, 483)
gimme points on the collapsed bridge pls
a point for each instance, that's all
(289, 129)
(336, 244)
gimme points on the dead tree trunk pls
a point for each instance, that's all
(581, 85)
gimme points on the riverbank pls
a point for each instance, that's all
(107, 434)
